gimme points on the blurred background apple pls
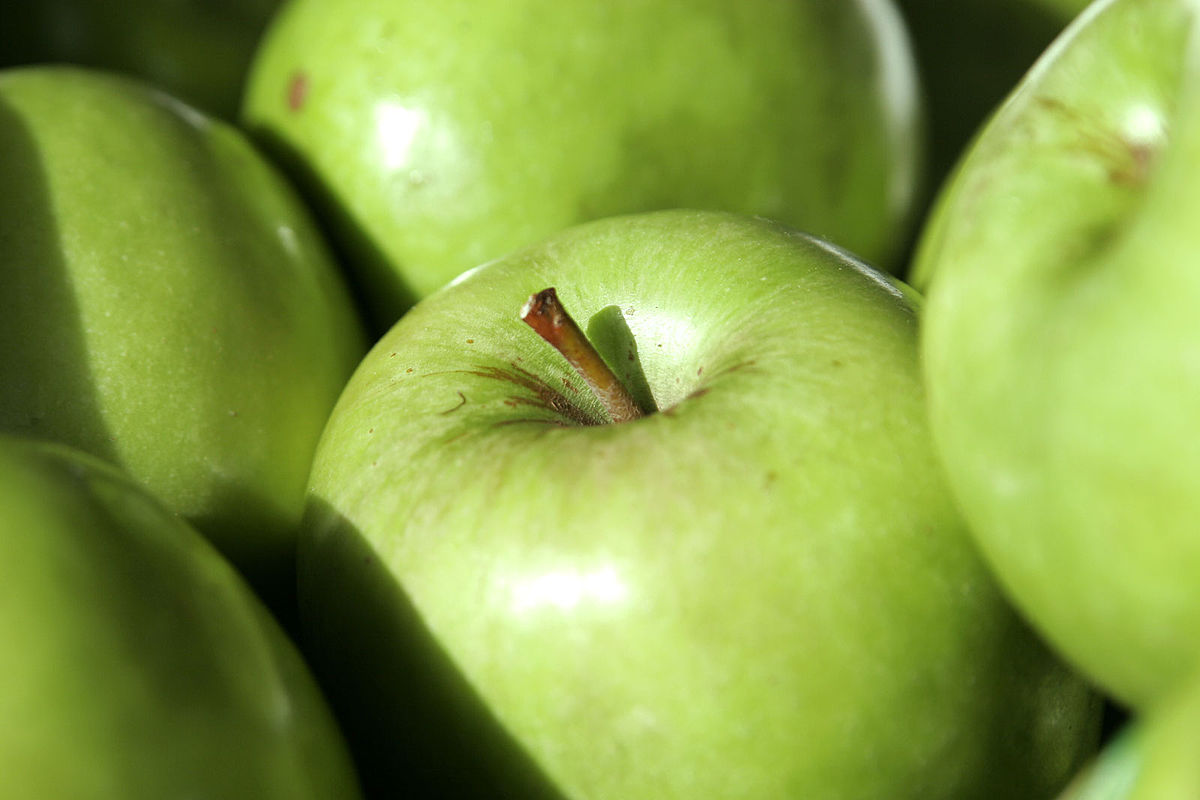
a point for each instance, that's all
(436, 136)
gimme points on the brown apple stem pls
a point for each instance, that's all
(544, 313)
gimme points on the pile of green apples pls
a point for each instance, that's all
(600, 399)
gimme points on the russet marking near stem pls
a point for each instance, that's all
(539, 394)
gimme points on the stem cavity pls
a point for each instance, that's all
(545, 314)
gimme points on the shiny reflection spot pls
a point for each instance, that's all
(566, 590)
(396, 128)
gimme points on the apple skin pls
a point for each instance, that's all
(761, 591)
(134, 661)
(1059, 337)
(970, 54)
(166, 303)
(440, 136)
(199, 50)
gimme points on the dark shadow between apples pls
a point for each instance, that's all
(259, 542)
(416, 727)
(201, 52)
(1113, 721)
(46, 385)
(1024, 718)
(969, 57)
(379, 292)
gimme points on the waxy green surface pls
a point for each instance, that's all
(166, 304)
(439, 136)
(761, 591)
(1061, 342)
(135, 664)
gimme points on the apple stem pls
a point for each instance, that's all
(545, 314)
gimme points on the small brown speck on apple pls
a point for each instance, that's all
(297, 90)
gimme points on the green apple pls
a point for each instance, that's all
(1153, 758)
(199, 50)
(1060, 339)
(167, 304)
(134, 662)
(438, 136)
(761, 590)
(970, 54)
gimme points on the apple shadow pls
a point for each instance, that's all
(1113, 720)
(258, 543)
(1038, 724)
(415, 725)
(46, 385)
(379, 292)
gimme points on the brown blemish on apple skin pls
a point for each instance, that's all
(670, 412)
(738, 367)
(541, 395)
(297, 90)
(462, 401)
(705, 389)
(1126, 163)
(537, 394)
(504, 423)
